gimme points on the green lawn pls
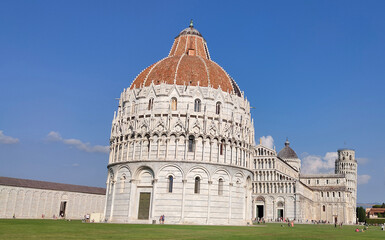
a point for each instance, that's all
(59, 229)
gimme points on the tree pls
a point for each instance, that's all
(379, 206)
(361, 214)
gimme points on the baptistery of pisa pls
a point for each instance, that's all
(182, 145)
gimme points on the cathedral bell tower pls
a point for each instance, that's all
(346, 164)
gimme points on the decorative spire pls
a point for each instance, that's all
(287, 143)
(191, 23)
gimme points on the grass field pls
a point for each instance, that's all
(59, 229)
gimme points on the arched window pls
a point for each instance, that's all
(324, 208)
(322, 194)
(221, 146)
(220, 186)
(327, 194)
(350, 157)
(174, 104)
(218, 108)
(191, 143)
(148, 143)
(197, 105)
(150, 104)
(170, 183)
(125, 108)
(111, 182)
(122, 183)
(132, 107)
(197, 186)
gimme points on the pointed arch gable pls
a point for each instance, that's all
(174, 91)
(198, 93)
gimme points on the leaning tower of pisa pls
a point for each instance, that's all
(346, 164)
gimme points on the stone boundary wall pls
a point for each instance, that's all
(24, 202)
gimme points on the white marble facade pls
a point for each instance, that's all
(303, 197)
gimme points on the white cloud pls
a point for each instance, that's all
(75, 165)
(87, 147)
(362, 160)
(54, 136)
(363, 179)
(267, 141)
(7, 139)
(319, 164)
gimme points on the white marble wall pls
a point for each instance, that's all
(32, 203)
(182, 205)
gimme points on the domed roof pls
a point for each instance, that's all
(287, 152)
(188, 63)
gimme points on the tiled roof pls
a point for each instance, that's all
(189, 64)
(376, 210)
(329, 188)
(322, 175)
(17, 182)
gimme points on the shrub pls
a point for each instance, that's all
(375, 220)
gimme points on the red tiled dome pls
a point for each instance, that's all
(188, 63)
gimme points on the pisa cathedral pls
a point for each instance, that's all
(182, 145)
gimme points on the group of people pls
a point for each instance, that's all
(262, 220)
(161, 219)
(366, 227)
(259, 220)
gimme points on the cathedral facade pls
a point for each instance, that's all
(182, 145)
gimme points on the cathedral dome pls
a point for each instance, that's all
(287, 152)
(189, 64)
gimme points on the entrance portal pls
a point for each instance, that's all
(144, 206)
(63, 206)
(280, 213)
(260, 211)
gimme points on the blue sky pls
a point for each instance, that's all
(313, 70)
